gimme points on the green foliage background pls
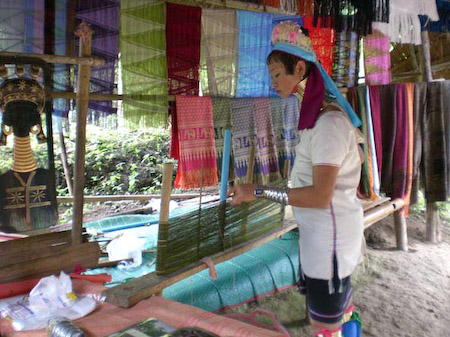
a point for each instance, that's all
(117, 162)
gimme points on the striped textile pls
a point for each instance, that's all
(377, 60)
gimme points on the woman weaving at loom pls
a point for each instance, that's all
(324, 179)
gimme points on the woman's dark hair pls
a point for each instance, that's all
(289, 61)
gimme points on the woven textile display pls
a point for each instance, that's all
(183, 48)
(103, 18)
(222, 122)
(219, 52)
(377, 60)
(213, 229)
(197, 165)
(345, 63)
(144, 66)
(254, 45)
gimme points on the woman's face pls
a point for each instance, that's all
(283, 82)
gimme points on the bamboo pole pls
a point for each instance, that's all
(89, 61)
(64, 161)
(379, 212)
(136, 197)
(106, 97)
(164, 217)
(84, 76)
(432, 208)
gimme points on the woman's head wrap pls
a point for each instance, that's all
(288, 37)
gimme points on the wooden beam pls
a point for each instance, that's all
(52, 261)
(90, 61)
(138, 197)
(106, 97)
(131, 292)
(377, 213)
(84, 76)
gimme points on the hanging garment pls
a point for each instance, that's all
(222, 122)
(254, 45)
(183, 32)
(404, 24)
(243, 137)
(345, 60)
(285, 112)
(420, 106)
(374, 95)
(144, 67)
(371, 143)
(266, 158)
(377, 60)
(435, 132)
(197, 150)
(219, 52)
(323, 40)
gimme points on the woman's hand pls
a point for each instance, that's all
(241, 193)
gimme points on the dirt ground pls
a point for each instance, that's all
(396, 293)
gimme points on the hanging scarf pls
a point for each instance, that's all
(313, 97)
(345, 61)
(420, 103)
(197, 165)
(410, 145)
(266, 159)
(219, 52)
(144, 68)
(323, 40)
(183, 30)
(434, 133)
(285, 124)
(243, 136)
(372, 149)
(222, 122)
(103, 19)
(388, 130)
(254, 46)
(374, 96)
(404, 24)
(377, 60)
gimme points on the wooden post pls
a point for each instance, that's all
(64, 161)
(401, 234)
(432, 208)
(84, 76)
(164, 218)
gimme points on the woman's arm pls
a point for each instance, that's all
(317, 195)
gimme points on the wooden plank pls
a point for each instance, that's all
(129, 293)
(91, 60)
(139, 197)
(16, 246)
(63, 258)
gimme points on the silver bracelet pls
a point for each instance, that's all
(279, 195)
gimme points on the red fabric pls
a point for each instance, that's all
(305, 7)
(108, 318)
(174, 151)
(197, 165)
(272, 3)
(312, 99)
(322, 41)
(183, 35)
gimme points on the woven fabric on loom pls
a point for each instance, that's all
(222, 122)
(322, 41)
(197, 163)
(266, 158)
(345, 61)
(143, 56)
(103, 18)
(285, 112)
(377, 60)
(243, 136)
(183, 48)
(214, 228)
(254, 45)
(219, 52)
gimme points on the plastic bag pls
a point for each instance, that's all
(51, 297)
